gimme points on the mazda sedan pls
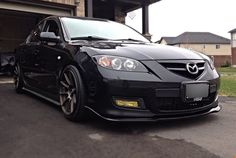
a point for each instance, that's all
(110, 69)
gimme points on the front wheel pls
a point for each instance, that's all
(72, 94)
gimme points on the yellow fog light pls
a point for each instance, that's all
(126, 103)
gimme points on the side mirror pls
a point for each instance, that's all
(49, 37)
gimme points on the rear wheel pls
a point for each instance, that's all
(72, 94)
(18, 81)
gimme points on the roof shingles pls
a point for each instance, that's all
(197, 38)
(232, 31)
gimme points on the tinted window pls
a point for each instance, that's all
(99, 28)
(51, 26)
(34, 36)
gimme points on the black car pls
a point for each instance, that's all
(110, 69)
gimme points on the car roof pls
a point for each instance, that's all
(76, 17)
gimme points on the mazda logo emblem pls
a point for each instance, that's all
(192, 68)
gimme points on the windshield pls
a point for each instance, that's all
(80, 28)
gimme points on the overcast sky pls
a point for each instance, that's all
(173, 17)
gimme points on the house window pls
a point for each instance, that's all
(217, 46)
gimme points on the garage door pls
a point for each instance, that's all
(18, 17)
(14, 28)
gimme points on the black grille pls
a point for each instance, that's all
(180, 68)
(175, 104)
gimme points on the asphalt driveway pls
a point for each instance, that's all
(33, 128)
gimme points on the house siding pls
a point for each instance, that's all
(221, 56)
(80, 6)
(209, 49)
(70, 2)
(234, 56)
(221, 60)
(163, 42)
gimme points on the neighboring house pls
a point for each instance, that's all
(233, 46)
(166, 40)
(216, 47)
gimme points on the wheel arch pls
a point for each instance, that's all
(81, 71)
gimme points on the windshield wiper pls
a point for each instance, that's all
(89, 38)
(128, 39)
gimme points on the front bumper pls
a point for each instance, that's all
(158, 118)
(160, 92)
(105, 107)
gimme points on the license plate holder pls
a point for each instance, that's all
(195, 91)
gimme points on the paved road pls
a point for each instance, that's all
(33, 128)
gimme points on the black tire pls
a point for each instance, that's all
(18, 79)
(72, 94)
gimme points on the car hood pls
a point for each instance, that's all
(141, 51)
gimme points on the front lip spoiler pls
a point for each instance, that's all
(154, 119)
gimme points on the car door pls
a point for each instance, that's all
(28, 57)
(51, 58)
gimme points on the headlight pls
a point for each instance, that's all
(119, 63)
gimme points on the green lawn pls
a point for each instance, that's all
(228, 81)
(227, 70)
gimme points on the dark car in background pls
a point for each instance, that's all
(110, 69)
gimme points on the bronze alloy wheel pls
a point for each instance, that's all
(72, 94)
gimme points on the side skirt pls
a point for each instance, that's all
(42, 96)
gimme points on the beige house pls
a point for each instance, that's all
(216, 47)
